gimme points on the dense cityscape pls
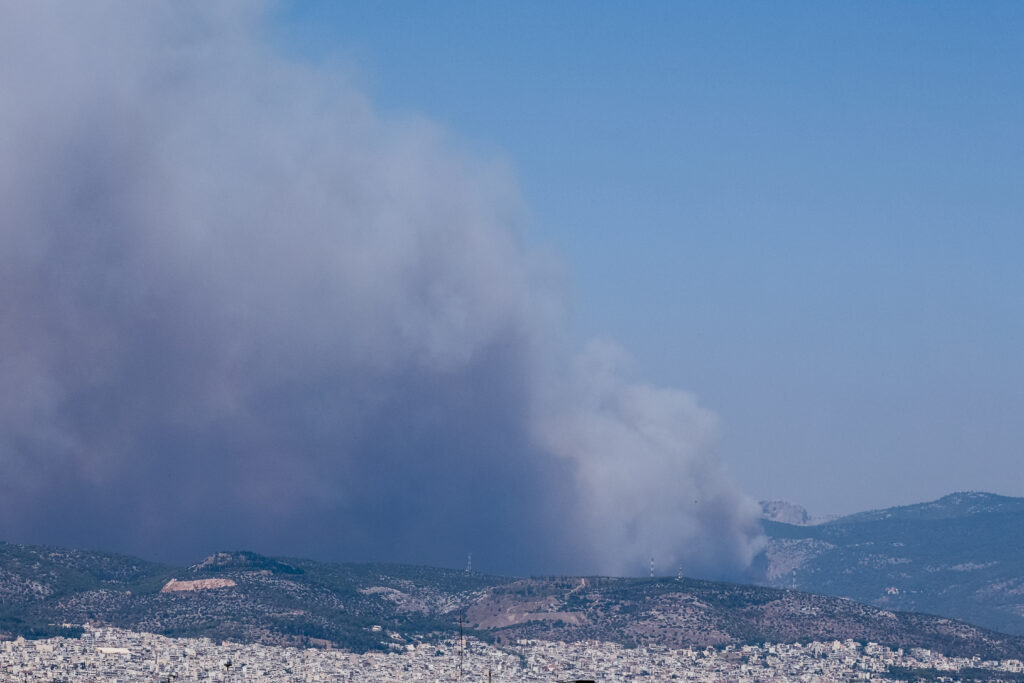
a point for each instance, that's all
(106, 655)
(463, 342)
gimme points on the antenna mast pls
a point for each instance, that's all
(462, 645)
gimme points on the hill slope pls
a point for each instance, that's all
(247, 597)
(961, 556)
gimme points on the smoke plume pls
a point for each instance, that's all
(241, 308)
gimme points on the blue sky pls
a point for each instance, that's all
(808, 214)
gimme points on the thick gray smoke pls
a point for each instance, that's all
(240, 308)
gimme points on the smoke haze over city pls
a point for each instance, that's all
(564, 285)
(242, 307)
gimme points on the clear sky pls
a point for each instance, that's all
(808, 214)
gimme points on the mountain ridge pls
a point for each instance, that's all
(247, 597)
(960, 556)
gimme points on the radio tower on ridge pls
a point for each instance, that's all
(469, 563)
(652, 566)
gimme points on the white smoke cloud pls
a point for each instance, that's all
(240, 306)
(644, 458)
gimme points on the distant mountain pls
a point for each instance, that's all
(790, 513)
(248, 597)
(953, 506)
(785, 512)
(961, 556)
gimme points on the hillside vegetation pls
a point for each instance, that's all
(251, 598)
(960, 556)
